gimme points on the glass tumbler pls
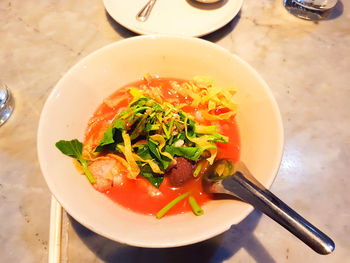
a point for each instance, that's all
(7, 103)
(310, 9)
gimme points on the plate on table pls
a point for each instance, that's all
(185, 17)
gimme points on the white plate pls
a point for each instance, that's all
(175, 17)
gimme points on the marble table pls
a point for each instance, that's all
(307, 66)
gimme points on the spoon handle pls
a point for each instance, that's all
(145, 11)
(268, 203)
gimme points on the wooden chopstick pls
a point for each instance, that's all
(55, 231)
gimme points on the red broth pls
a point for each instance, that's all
(139, 195)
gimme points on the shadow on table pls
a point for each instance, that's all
(217, 249)
(224, 31)
(205, 6)
(337, 11)
(213, 37)
(121, 30)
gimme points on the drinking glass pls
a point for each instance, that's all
(310, 9)
(7, 103)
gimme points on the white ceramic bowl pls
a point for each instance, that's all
(82, 89)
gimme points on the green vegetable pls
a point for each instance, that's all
(139, 128)
(170, 128)
(152, 127)
(191, 153)
(135, 93)
(153, 148)
(74, 149)
(165, 130)
(197, 210)
(144, 152)
(202, 129)
(150, 151)
(197, 170)
(218, 138)
(167, 207)
(112, 136)
(146, 171)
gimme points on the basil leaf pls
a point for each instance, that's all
(74, 149)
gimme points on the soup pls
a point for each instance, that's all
(151, 141)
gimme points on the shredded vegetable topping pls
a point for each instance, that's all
(204, 93)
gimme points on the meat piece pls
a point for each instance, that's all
(181, 173)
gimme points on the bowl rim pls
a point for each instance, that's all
(208, 234)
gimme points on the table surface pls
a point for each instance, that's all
(306, 65)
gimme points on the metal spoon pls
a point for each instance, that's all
(224, 177)
(145, 11)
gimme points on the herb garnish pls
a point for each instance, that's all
(74, 149)
(157, 132)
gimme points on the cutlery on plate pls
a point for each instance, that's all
(145, 11)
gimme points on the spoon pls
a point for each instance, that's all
(225, 178)
(145, 11)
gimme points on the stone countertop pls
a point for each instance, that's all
(307, 66)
